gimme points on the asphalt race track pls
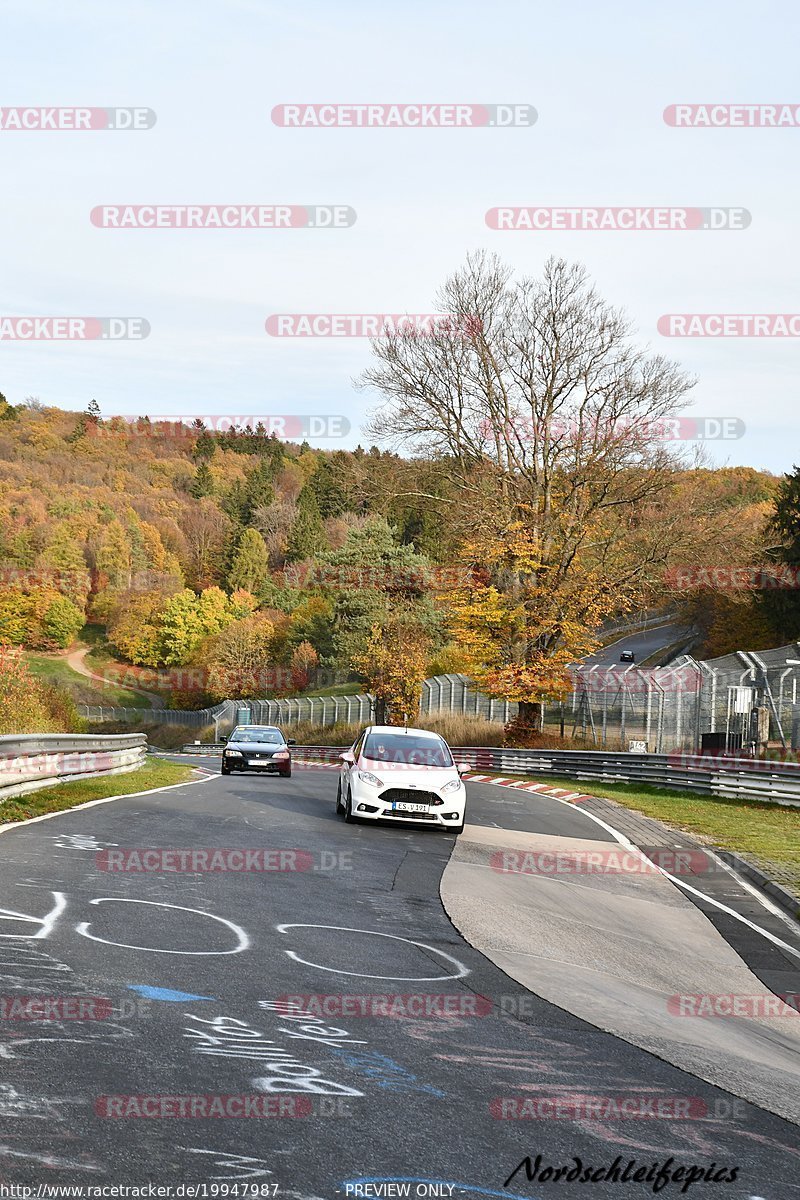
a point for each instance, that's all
(643, 643)
(268, 1027)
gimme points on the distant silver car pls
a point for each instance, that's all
(258, 748)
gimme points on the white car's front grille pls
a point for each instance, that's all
(409, 796)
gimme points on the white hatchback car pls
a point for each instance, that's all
(397, 774)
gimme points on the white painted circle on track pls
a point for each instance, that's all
(461, 970)
(243, 941)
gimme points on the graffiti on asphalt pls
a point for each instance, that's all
(80, 841)
(238, 1166)
(33, 972)
(167, 994)
(385, 1073)
(228, 1037)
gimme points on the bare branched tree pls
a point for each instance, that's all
(553, 428)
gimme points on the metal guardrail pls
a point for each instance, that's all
(29, 762)
(749, 779)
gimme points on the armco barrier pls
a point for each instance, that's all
(32, 761)
(751, 779)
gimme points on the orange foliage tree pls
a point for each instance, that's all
(394, 662)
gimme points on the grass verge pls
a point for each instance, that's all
(766, 834)
(155, 773)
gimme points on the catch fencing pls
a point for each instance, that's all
(748, 699)
(29, 762)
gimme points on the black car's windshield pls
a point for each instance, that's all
(407, 748)
(257, 735)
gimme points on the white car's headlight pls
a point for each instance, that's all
(452, 786)
(368, 777)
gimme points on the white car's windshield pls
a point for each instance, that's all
(407, 748)
(256, 735)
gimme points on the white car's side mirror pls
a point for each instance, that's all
(462, 768)
(347, 758)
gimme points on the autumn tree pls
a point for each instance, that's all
(63, 555)
(206, 530)
(273, 522)
(134, 629)
(303, 662)
(38, 617)
(188, 619)
(548, 418)
(115, 556)
(238, 659)
(393, 663)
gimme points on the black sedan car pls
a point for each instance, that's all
(258, 748)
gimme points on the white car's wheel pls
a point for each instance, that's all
(339, 805)
(348, 810)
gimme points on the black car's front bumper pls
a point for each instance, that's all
(245, 764)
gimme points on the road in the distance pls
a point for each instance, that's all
(643, 644)
(382, 1098)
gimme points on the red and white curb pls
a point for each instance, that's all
(544, 789)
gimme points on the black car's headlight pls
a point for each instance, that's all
(231, 753)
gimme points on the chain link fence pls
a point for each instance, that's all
(747, 700)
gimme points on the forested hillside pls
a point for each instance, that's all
(247, 557)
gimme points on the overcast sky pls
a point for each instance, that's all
(598, 74)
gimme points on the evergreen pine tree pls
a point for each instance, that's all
(782, 604)
(328, 492)
(202, 484)
(307, 535)
(250, 563)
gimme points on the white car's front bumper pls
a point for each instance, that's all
(372, 803)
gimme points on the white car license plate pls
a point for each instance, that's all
(401, 804)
